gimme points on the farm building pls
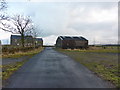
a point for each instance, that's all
(39, 41)
(71, 42)
(28, 41)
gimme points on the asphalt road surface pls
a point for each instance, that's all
(51, 69)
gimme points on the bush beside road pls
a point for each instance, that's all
(15, 52)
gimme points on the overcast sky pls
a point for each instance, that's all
(97, 22)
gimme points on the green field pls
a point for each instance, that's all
(103, 62)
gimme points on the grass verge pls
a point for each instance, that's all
(9, 69)
(103, 63)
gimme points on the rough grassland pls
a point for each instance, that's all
(20, 54)
(9, 69)
(104, 62)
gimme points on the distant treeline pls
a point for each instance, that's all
(112, 45)
(48, 46)
(106, 45)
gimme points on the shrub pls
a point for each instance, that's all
(13, 49)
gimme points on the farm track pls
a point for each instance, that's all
(51, 69)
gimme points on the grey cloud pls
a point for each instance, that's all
(102, 5)
(53, 19)
(91, 26)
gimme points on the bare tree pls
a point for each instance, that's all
(35, 33)
(3, 7)
(18, 24)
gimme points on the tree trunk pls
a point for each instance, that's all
(34, 42)
(22, 39)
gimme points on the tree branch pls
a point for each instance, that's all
(6, 30)
(26, 24)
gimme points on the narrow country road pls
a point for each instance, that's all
(51, 69)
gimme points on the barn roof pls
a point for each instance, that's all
(15, 36)
(39, 39)
(19, 37)
(72, 38)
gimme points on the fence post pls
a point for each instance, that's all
(0, 65)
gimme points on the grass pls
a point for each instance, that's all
(104, 62)
(9, 69)
(102, 51)
(99, 50)
(21, 54)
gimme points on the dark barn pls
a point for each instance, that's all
(74, 42)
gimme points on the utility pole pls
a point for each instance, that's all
(94, 42)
